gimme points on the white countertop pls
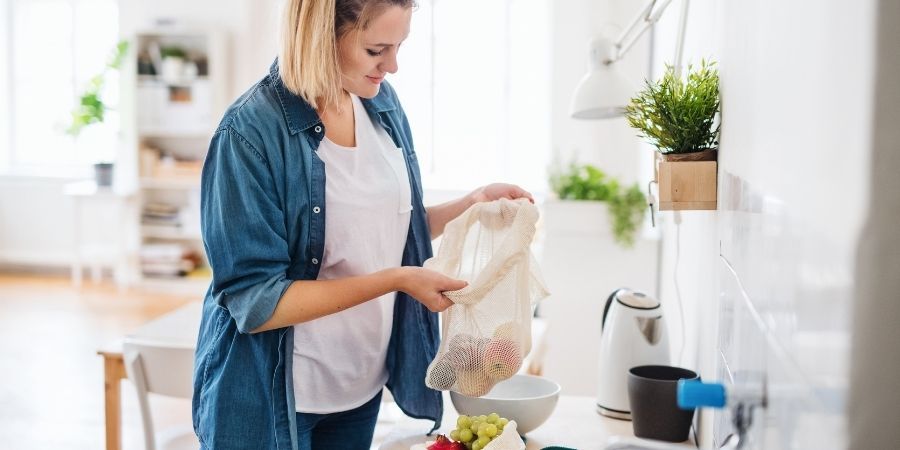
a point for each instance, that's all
(574, 424)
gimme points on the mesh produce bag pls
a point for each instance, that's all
(487, 332)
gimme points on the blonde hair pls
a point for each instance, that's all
(308, 60)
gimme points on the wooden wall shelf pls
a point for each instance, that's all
(686, 185)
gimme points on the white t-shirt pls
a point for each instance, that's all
(339, 359)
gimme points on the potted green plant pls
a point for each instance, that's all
(174, 64)
(91, 109)
(625, 205)
(679, 116)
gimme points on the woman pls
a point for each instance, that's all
(309, 314)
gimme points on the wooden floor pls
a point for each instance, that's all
(51, 379)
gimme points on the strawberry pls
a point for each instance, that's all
(444, 443)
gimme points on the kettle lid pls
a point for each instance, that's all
(637, 300)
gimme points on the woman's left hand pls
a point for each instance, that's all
(440, 215)
(497, 191)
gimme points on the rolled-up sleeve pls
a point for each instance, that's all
(243, 230)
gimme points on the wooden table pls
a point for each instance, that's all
(179, 326)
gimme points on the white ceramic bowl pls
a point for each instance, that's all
(527, 399)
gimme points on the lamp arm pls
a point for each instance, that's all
(642, 15)
(648, 16)
(659, 12)
(679, 44)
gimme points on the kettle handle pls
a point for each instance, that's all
(609, 301)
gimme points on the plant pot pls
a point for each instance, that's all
(586, 218)
(103, 174)
(172, 69)
(705, 155)
(687, 181)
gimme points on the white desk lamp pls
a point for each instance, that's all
(603, 92)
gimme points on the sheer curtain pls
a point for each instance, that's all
(474, 80)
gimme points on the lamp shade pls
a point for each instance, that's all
(603, 92)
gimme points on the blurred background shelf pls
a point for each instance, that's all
(164, 232)
(177, 83)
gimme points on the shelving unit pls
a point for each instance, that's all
(177, 85)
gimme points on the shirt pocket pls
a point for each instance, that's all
(397, 162)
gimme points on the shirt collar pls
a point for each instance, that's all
(301, 116)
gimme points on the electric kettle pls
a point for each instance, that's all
(633, 334)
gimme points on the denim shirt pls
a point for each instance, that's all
(263, 222)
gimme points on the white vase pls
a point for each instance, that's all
(172, 69)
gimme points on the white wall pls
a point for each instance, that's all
(35, 222)
(767, 279)
(581, 263)
(609, 144)
(874, 366)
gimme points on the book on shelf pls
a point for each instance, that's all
(168, 260)
(161, 214)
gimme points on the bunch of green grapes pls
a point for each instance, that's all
(476, 432)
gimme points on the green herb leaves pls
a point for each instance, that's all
(678, 116)
(90, 108)
(626, 206)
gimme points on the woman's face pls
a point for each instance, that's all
(366, 56)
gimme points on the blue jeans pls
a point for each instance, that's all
(346, 430)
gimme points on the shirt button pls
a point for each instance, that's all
(318, 129)
(315, 261)
(316, 209)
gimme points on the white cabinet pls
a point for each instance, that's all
(177, 84)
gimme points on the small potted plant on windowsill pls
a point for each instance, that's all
(679, 117)
(91, 109)
(625, 206)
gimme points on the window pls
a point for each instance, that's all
(52, 48)
(474, 80)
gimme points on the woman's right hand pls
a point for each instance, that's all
(428, 286)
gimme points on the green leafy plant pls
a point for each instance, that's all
(678, 115)
(172, 52)
(626, 205)
(90, 108)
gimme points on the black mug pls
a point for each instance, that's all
(655, 414)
